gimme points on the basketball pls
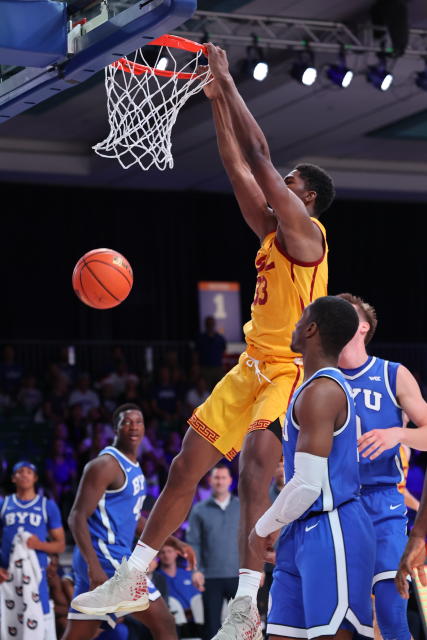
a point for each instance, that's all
(102, 278)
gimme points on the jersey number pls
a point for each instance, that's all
(261, 294)
(138, 507)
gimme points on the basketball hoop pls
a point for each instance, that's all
(143, 102)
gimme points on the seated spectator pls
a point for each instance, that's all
(119, 378)
(61, 473)
(165, 403)
(196, 395)
(68, 369)
(10, 371)
(84, 395)
(172, 446)
(180, 586)
(210, 346)
(152, 477)
(77, 424)
(101, 435)
(107, 399)
(29, 397)
(132, 392)
(58, 397)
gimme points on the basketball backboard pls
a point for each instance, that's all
(74, 40)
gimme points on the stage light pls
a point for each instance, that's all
(379, 76)
(255, 65)
(304, 73)
(340, 75)
(162, 63)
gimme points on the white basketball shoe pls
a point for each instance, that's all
(242, 622)
(126, 591)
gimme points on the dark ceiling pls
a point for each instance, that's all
(52, 142)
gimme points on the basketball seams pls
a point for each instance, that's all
(113, 266)
(88, 300)
(99, 281)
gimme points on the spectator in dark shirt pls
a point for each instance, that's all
(165, 402)
(10, 371)
(210, 346)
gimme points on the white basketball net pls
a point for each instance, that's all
(143, 107)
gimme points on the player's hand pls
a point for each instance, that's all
(185, 551)
(374, 442)
(412, 561)
(218, 62)
(97, 576)
(198, 580)
(33, 542)
(4, 575)
(263, 547)
(212, 89)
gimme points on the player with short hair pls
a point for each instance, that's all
(382, 391)
(325, 556)
(36, 514)
(245, 405)
(104, 519)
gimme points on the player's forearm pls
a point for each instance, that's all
(54, 546)
(80, 531)
(415, 438)
(229, 151)
(297, 495)
(249, 136)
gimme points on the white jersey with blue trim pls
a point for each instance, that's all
(112, 525)
(342, 482)
(374, 392)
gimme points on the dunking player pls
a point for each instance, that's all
(382, 390)
(325, 557)
(103, 521)
(292, 271)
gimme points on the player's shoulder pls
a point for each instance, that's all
(323, 388)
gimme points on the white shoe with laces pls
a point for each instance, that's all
(242, 622)
(126, 591)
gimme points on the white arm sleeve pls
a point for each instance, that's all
(297, 495)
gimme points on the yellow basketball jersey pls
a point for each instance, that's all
(284, 287)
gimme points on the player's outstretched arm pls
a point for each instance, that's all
(319, 410)
(98, 475)
(299, 236)
(414, 556)
(408, 393)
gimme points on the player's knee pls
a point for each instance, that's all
(391, 612)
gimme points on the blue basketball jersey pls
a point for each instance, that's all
(374, 392)
(36, 516)
(113, 523)
(342, 482)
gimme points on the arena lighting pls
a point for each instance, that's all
(303, 69)
(379, 76)
(304, 73)
(339, 73)
(255, 65)
(163, 63)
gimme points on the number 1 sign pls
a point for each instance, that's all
(222, 301)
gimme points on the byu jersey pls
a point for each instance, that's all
(36, 516)
(112, 525)
(374, 392)
(342, 481)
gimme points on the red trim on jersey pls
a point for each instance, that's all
(293, 280)
(294, 386)
(313, 280)
(300, 263)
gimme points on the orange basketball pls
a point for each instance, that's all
(102, 278)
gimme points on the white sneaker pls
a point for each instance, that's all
(242, 622)
(126, 591)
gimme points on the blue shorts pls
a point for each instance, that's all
(44, 592)
(81, 585)
(323, 576)
(387, 511)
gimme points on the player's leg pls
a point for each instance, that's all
(195, 459)
(259, 458)
(391, 611)
(81, 629)
(159, 620)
